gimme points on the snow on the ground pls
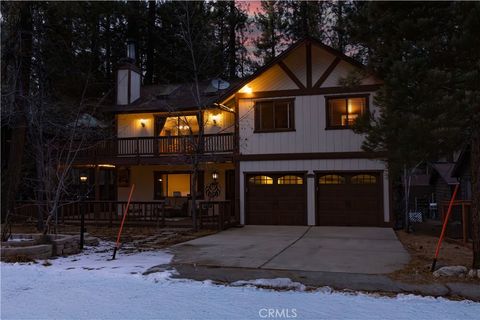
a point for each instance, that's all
(88, 286)
(99, 259)
(278, 283)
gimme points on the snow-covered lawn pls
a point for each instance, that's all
(88, 286)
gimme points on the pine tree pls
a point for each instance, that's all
(271, 23)
(427, 56)
(305, 18)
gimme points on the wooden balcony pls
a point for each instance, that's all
(137, 147)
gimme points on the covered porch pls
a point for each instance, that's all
(162, 196)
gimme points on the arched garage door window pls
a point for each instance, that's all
(331, 179)
(363, 179)
(260, 180)
(290, 179)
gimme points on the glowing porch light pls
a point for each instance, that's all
(216, 118)
(247, 89)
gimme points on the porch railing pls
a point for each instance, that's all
(157, 146)
(211, 214)
(216, 214)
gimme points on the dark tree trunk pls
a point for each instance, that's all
(304, 15)
(475, 167)
(272, 36)
(95, 57)
(232, 41)
(133, 25)
(17, 143)
(150, 43)
(108, 47)
(340, 27)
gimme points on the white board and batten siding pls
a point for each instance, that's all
(310, 134)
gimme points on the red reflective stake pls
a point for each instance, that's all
(117, 245)
(444, 228)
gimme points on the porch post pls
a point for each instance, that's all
(96, 207)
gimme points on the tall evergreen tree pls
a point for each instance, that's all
(305, 18)
(428, 56)
(271, 23)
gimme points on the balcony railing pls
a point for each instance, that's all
(211, 214)
(157, 146)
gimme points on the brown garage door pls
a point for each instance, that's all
(275, 199)
(349, 199)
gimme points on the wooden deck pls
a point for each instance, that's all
(212, 214)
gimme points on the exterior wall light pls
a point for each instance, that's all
(214, 175)
(247, 89)
(83, 178)
(143, 122)
(215, 119)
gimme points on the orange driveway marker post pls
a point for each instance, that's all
(444, 228)
(117, 245)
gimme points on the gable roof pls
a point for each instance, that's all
(172, 97)
(278, 59)
(444, 171)
(180, 97)
(462, 162)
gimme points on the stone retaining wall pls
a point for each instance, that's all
(39, 246)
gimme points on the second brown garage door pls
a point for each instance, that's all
(349, 199)
(275, 199)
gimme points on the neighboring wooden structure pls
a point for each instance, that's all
(465, 209)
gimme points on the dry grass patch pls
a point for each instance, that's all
(422, 249)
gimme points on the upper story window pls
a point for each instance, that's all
(176, 125)
(342, 112)
(274, 115)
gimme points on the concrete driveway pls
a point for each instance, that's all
(361, 250)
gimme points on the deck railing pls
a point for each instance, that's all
(211, 214)
(157, 146)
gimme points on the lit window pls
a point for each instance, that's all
(261, 180)
(363, 179)
(343, 112)
(290, 180)
(331, 179)
(176, 125)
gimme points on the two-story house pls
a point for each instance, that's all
(279, 143)
(298, 161)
